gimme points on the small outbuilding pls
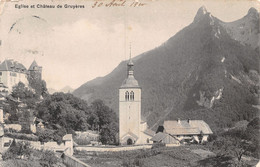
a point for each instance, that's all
(164, 138)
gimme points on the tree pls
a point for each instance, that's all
(233, 143)
(25, 121)
(38, 85)
(104, 114)
(65, 110)
(252, 134)
(106, 122)
(45, 135)
(21, 99)
(73, 114)
(108, 133)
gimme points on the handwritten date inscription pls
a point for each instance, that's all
(117, 3)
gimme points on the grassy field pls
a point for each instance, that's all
(183, 156)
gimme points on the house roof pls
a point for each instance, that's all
(159, 136)
(183, 127)
(149, 132)
(11, 65)
(202, 126)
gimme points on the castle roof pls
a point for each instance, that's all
(11, 65)
(184, 127)
(33, 65)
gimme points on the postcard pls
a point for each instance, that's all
(129, 82)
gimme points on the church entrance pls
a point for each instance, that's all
(129, 141)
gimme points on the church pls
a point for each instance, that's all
(132, 129)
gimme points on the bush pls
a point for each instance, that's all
(82, 141)
(48, 159)
(132, 163)
(138, 162)
(22, 163)
(158, 145)
(22, 136)
(26, 130)
(212, 137)
(46, 135)
(127, 163)
(11, 130)
(18, 150)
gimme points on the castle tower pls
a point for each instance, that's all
(35, 71)
(129, 108)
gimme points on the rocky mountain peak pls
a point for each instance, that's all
(252, 12)
(202, 12)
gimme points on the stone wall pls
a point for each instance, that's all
(71, 161)
(16, 127)
(54, 146)
(118, 148)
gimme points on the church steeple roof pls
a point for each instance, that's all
(130, 81)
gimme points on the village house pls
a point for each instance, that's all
(186, 130)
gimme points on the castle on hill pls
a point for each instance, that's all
(13, 72)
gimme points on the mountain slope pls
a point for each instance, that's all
(67, 89)
(200, 73)
(246, 30)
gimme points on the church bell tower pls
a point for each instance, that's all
(129, 108)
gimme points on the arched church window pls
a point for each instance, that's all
(132, 97)
(127, 96)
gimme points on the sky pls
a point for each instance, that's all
(77, 45)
